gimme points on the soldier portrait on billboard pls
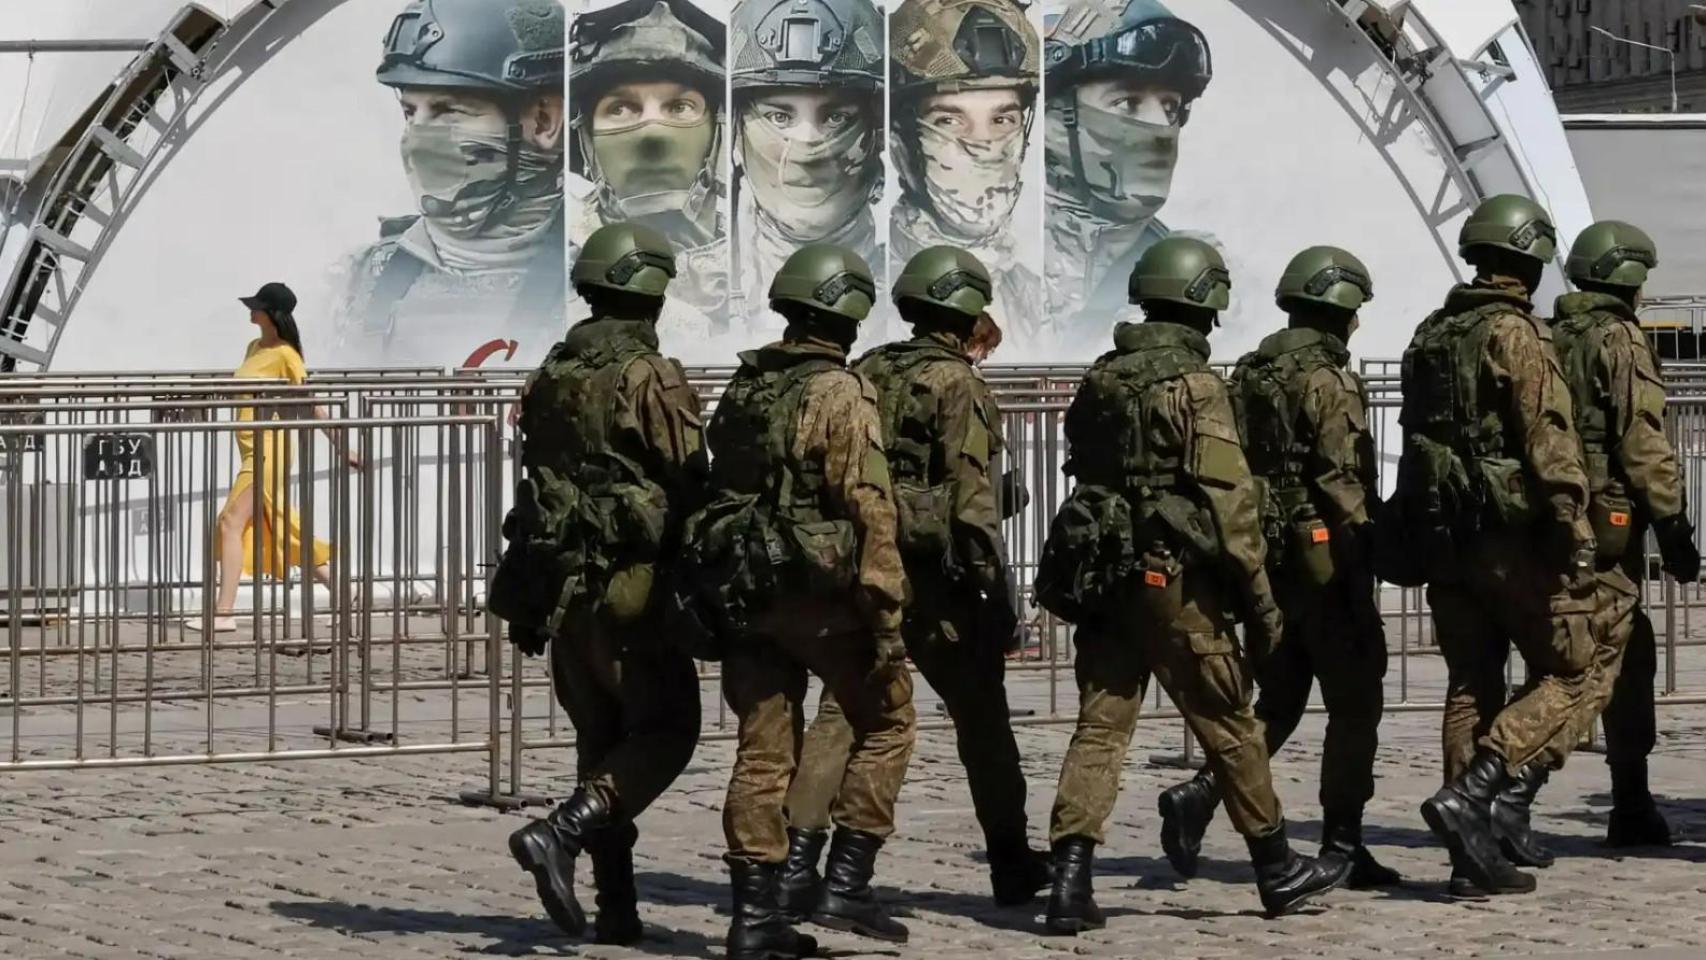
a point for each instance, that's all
(646, 117)
(807, 81)
(1123, 76)
(963, 88)
(479, 84)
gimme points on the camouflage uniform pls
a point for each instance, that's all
(638, 41)
(937, 46)
(410, 296)
(1098, 225)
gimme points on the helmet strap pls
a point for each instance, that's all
(1069, 117)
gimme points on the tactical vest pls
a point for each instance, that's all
(752, 436)
(571, 403)
(1442, 381)
(1120, 390)
(1579, 338)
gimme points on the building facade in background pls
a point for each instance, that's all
(1593, 73)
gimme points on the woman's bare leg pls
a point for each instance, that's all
(232, 521)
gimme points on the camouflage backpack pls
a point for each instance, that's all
(763, 536)
(1130, 497)
(924, 499)
(583, 511)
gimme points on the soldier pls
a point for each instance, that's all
(1304, 420)
(1161, 526)
(1492, 498)
(480, 85)
(942, 431)
(646, 107)
(964, 77)
(808, 125)
(796, 562)
(1637, 485)
(1122, 78)
(611, 441)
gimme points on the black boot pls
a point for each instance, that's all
(1072, 903)
(847, 902)
(1017, 873)
(1461, 815)
(1464, 888)
(547, 849)
(757, 930)
(1286, 880)
(1341, 844)
(1512, 814)
(1186, 811)
(800, 886)
(1635, 819)
(612, 853)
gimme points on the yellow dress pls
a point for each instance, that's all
(278, 554)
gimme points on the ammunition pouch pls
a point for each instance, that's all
(1504, 491)
(925, 527)
(1089, 554)
(1612, 515)
(1161, 591)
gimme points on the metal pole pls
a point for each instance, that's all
(74, 46)
(1649, 46)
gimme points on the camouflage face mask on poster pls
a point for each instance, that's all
(459, 179)
(1128, 163)
(650, 166)
(973, 185)
(813, 185)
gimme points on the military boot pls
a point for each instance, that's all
(757, 929)
(1072, 903)
(1286, 880)
(1463, 888)
(1186, 811)
(847, 902)
(612, 854)
(1341, 844)
(1017, 873)
(1461, 815)
(547, 848)
(1512, 815)
(799, 888)
(1635, 819)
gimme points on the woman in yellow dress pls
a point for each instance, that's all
(275, 355)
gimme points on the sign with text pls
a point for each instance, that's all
(118, 456)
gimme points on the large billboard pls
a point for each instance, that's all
(421, 172)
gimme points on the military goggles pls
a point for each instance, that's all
(830, 292)
(953, 281)
(410, 44)
(1163, 46)
(1527, 234)
(1610, 260)
(1323, 281)
(1204, 284)
(634, 261)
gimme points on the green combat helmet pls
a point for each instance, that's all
(1181, 270)
(1613, 254)
(626, 257)
(505, 48)
(806, 43)
(1512, 223)
(827, 278)
(947, 277)
(1324, 275)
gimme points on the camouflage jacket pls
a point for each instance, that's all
(1086, 282)
(945, 430)
(1619, 401)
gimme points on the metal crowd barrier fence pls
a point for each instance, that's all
(104, 576)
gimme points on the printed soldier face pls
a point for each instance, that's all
(1128, 139)
(809, 156)
(972, 147)
(455, 149)
(1134, 99)
(651, 136)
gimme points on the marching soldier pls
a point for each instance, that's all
(1161, 526)
(795, 560)
(1304, 419)
(1637, 485)
(1492, 497)
(942, 431)
(614, 458)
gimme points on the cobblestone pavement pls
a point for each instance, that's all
(377, 859)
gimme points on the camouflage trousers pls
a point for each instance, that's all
(1333, 634)
(970, 678)
(1507, 596)
(1630, 726)
(1197, 660)
(634, 705)
(764, 682)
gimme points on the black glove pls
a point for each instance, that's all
(1263, 630)
(1015, 496)
(1677, 552)
(529, 640)
(998, 625)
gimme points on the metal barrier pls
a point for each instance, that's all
(104, 568)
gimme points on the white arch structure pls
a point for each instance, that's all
(1465, 71)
